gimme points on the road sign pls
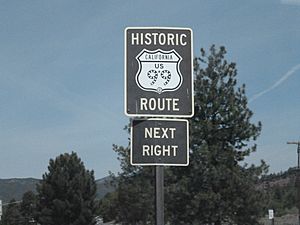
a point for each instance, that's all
(271, 214)
(159, 142)
(159, 72)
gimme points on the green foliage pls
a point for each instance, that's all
(12, 214)
(132, 203)
(17, 213)
(28, 208)
(136, 192)
(222, 117)
(281, 192)
(16, 187)
(104, 187)
(108, 206)
(66, 194)
(215, 188)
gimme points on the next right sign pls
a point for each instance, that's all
(160, 142)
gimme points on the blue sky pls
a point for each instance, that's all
(61, 74)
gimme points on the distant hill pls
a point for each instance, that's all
(281, 179)
(281, 192)
(104, 187)
(16, 187)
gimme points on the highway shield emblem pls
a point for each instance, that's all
(159, 71)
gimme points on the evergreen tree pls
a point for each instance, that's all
(107, 207)
(11, 214)
(28, 208)
(66, 194)
(216, 187)
(132, 203)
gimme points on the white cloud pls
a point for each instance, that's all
(290, 2)
(277, 83)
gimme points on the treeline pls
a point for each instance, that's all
(66, 195)
(289, 174)
(217, 188)
(281, 191)
(20, 212)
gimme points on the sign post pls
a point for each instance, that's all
(271, 215)
(0, 209)
(159, 192)
(159, 142)
(159, 83)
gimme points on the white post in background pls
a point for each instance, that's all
(271, 215)
(0, 209)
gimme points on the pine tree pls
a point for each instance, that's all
(28, 208)
(132, 203)
(66, 194)
(12, 215)
(216, 187)
(107, 207)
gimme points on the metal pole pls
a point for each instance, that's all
(298, 151)
(159, 192)
(0, 209)
(297, 183)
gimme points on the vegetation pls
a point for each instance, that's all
(20, 212)
(132, 203)
(66, 194)
(215, 187)
(12, 215)
(15, 188)
(279, 194)
(280, 191)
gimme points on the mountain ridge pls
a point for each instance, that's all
(14, 188)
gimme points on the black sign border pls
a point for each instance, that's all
(160, 164)
(125, 75)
